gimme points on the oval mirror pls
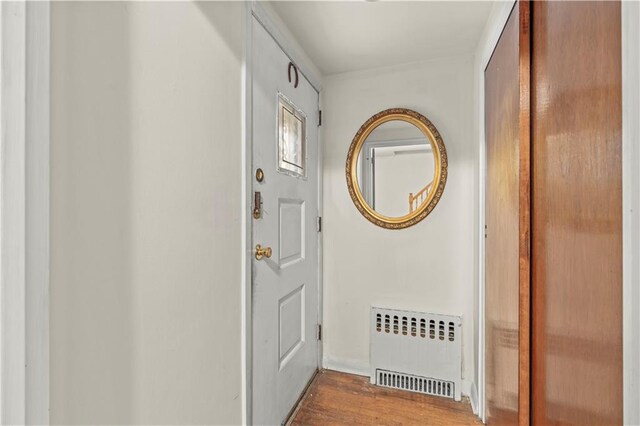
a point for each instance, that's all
(396, 168)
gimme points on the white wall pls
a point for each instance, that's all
(145, 237)
(428, 267)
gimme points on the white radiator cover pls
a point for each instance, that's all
(416, 351)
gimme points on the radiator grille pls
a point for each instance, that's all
(409, 382)
(416, 351)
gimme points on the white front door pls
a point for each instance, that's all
(285, 285)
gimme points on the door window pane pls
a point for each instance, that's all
(291, 138)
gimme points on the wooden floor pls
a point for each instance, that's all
(339, 399)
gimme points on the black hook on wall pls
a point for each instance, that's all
(291, 65)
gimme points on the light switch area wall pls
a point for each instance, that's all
(428, 267)
(145, 227)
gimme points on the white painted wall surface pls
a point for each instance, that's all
(428, 267)
(145, 213)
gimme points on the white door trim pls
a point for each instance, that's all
(279, 33)
(12, 214)
(495, 24)
(631, 209)
(274, 26)
(24, 213)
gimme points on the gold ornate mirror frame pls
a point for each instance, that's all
(440, 174)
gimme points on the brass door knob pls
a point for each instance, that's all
(262, 252)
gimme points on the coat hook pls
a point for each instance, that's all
(291, 65)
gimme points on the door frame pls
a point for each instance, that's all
(367, 170)
(498, 18)
(278, 31)
(522, 10)
(24, 212)
(630, 12)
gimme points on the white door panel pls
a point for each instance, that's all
(285, 286)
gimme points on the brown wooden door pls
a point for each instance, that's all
(576, 213)
(507, 133)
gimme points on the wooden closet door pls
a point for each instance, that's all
(507, 133)
(576, 213)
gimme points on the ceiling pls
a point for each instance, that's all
(342, 36)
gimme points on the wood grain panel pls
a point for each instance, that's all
(576, 213)
(507, 278)
(524, 285)
(344, 399)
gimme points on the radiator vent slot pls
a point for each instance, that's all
(400, 325)
(409, 382)
(416, 351)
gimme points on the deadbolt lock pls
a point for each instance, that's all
(259, 175)
(262, 252)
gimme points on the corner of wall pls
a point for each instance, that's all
(346, 366)
(473, 397)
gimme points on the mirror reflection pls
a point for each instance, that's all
(396, 168)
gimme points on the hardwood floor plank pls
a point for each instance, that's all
(338, 398)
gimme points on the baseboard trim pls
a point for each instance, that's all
(346, 366)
